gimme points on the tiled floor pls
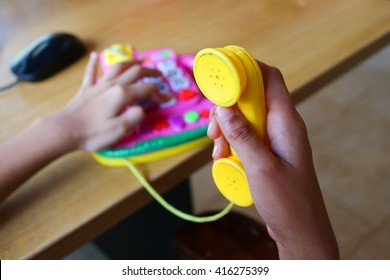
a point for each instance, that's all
(349, 129)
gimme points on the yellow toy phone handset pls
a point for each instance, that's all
(227, 76)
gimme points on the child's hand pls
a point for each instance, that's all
(281, 177)
(96, 118)
(99, 115)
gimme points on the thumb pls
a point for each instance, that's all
(242, 137)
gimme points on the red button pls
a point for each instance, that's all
(204, 113)
(186, 94)
(160, 124)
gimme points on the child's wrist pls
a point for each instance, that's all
(58, 133)
(309, 247)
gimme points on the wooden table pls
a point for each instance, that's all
(74, 199)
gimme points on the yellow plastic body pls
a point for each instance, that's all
(227, 76)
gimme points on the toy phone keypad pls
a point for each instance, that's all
(172, 127)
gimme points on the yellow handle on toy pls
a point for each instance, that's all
(227, 76)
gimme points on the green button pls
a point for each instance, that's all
(166, 54)
(191, 116)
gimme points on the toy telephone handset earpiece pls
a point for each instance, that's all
(227, 76)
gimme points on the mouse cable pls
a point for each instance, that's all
(168, 206)
(11, 85)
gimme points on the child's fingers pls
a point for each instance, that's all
(277, 95)
(114, 129)
(118, 68)
(286, 129)
(136, 72)
(213, 131)
(120, 96)
(240, 134)
(221, 148)
(130, 118)
(147, 91)
(90, 74)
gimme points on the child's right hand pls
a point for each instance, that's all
(96, 117)
(281, 177)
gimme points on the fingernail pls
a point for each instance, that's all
(210, 128)
(215, 150)
(224, 113)
(93, 55)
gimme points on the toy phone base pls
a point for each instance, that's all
(153, 156)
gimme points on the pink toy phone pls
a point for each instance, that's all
(173, 127)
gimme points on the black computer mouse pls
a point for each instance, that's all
(46, 56)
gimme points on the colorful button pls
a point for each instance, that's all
(166, 65)
(166, 54)
(175, 73)
(179, 84)
(160, 124)
(168, 103)
(176, 122)
(191, 116)
(186, 94)
(153, 80)
(204, 113)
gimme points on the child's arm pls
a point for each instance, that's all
(95, 118)
(281, 177)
